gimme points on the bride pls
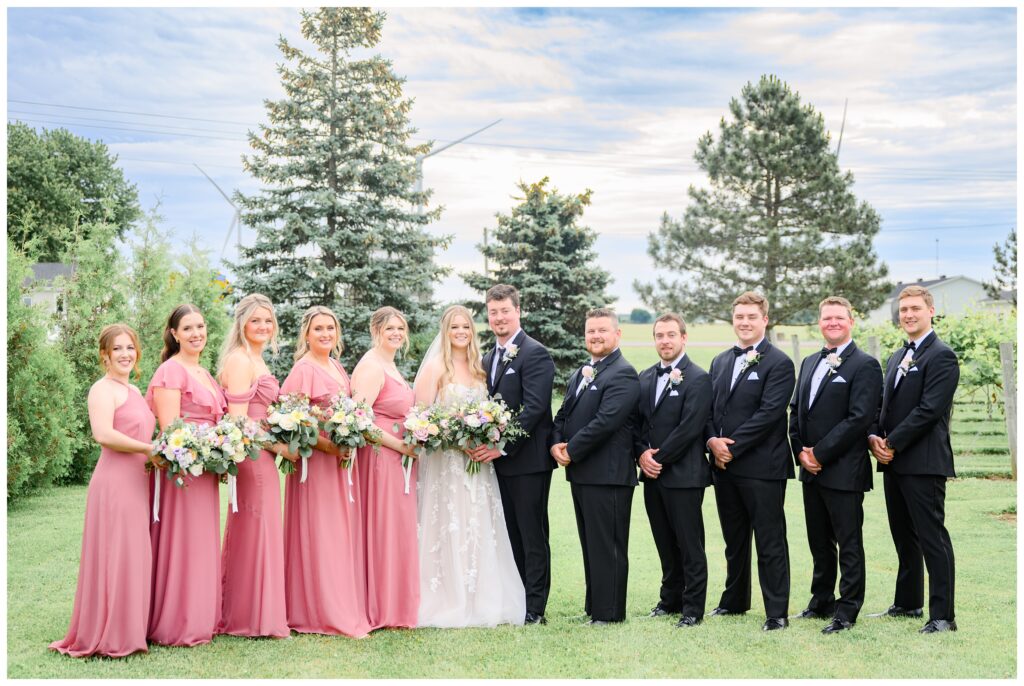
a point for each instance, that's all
(468, 576)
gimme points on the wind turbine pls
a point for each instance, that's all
(841, 127)
(234, 219)
(420, 158)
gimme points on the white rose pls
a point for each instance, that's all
(196, 469)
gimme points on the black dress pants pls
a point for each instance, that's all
(602, 518)
(524, 499)
(677, 525)
(753, 509)
(835, 518)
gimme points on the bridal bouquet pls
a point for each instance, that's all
(186, 447)
(424, 430)
(488, 422)
(349, 423)
(292, 420)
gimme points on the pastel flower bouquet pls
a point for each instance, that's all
(488, 422)
(292, 420)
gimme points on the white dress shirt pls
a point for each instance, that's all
(917, 344)
(583, 379)
(821, 370)
(659, 387)
(496, 362)
(738, 364)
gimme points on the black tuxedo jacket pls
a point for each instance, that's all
(915, 415)
(674, 423)
(753, 413)
(836, 424)
(525, 383)
(598, 424)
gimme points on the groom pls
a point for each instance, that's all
(522, 372)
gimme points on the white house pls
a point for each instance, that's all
(954, 295)
(43, 290)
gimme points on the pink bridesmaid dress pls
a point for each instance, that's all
(392, 558)
(323, 554)
(186, 540)
(253, 558)
(112, 598)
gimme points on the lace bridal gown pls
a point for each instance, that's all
(468, 576)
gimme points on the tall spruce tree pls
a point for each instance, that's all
(540, 248)
(779, 218)
(336, 220)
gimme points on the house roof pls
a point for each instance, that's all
(48, 271)
(927, 283)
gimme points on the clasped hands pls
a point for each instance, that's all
(808, 461)
(648, 465)
(881, 449)
(561, 454)
(482, 454)
(719, 447)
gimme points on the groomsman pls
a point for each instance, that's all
(748, 439)
(910, 440)
(521, 371)
(836, 401)
(594, 442)
(675, 403)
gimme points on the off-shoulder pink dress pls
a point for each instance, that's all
(112, 598)
(253, 557)
(323, 553)
(186, 540)
(392, 559)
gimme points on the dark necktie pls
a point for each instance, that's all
(737, 351)
(499, 352)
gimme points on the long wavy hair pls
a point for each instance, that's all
(236, 336)
(472, 352)
(171, 344)
(302, 345)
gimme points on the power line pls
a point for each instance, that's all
(116, 121)
(139, 114)
(121, 128)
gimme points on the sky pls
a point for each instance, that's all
(612, 100)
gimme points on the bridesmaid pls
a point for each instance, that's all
(186, 545)
(392, 561)
(324, 568)
(253, 557)
(115, 540)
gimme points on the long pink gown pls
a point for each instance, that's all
(112, 598)
(186, 540)
(253, 557)
(323, 554)
(392, 559)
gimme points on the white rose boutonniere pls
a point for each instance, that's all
(511, 350)
(675, 377)
(589, 374)
(751, 358)
(908, 362)
(833, 361)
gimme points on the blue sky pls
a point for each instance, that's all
(607, 99)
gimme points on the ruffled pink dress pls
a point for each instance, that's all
(253, 557)
(392, 557)
(323, 553)
(186, 540)
(112, 598)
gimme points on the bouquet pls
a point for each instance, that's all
(349, 423)
(481, 422)
(423, 429)
(292, 420)
(232, 440)
(186, 447)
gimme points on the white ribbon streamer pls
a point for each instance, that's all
(233, 492)
(302, 479)
(156, 495)
(348, 487)
(407, 472)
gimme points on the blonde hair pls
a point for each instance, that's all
(836, 300)
(380, 318)
(236, 336)
(915, 291)
(107, 337)
(472, 354)
(302, 345)
(752, 298)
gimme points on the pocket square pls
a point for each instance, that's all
(912, 370)
(753, 377)
(509, 371)
(671, 393)
(839, 379)
(593, 387)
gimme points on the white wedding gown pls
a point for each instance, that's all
(468, 576)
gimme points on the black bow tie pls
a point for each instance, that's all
(664, 370)
(737, 351)
(825, 352)
(910, 345)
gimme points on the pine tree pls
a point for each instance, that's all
(541, 250)
(1005, 269)
(337, 221)
(779, 218)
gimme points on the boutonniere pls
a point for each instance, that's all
(511, 350)
(833, 361)
(675, 377)
(589, 374)
(908, 363)
(750, 359)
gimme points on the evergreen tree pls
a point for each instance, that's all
(1005, 269)
(541, 250)
(337, 221)
(779, 218)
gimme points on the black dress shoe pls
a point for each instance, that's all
(686, 621)
(934, 626)
(808, 613)
(775, 623)
(660, 610)
(897, 611)
(836, 626)
(721, 611)
(597, 622)
(534, 618)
